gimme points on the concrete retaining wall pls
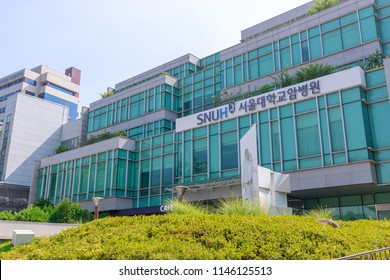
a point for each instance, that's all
(39, 229)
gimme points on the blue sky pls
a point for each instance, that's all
(113, 40)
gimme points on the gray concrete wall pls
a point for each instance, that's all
(160, 80)
(119, 142)
(334, 176)
(108, 204)
(39, 229)
(159, 69)
(146, 118)
(35, 131)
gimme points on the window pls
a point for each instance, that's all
(199, 156)
(308, 136)
(229, 150)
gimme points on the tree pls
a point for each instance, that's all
(107, 94)
(67, 212)
(283, 79)
(320, 5)
(312, 71)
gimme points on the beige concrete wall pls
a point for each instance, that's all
(39, 229)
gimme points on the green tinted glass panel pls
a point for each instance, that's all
(354, 126)
(315, 47)
(200, 132)
(265, 144)
(308, 135)
(330, 25)
(286, 111)
(375, 78)
(285, 58)
(214, 129)
(350, 95)
(304, 106)
(377, 94)
(331, 42)
(266, 65)
(332, 99)
(350, 35)
(199, 156)
(228, 125)
(156, 169)
(379, 113)
(214, 153)
(288, 139)
(368, 29)
(253, 69)
(229, 151)
(348, 18)
(336, 129)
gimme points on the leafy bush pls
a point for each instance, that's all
(67, 212)
(207, 236)
(61, 149)
(320, 5)
(6, 215)
(235, 206)
(33, 214)
(104, 136)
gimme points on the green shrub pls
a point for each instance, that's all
(33, 214)
(70, 213)
(207, 236)
(104, 136)
(6, 215)
(235, 206)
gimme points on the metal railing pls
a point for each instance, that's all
(380, 254)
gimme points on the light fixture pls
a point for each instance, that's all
(96, 201)
(180, 190)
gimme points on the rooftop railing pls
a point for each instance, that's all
(380, 254)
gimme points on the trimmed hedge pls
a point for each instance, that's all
(64, 212)
(207, 236)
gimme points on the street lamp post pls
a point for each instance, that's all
(180, 190)
(96, 201)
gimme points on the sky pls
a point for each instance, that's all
(113, 40)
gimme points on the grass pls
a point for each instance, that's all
(179, 207)
(319, 213)
(233, 206)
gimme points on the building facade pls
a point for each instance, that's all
(34, 105)
(184, 120)
(45, 83)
